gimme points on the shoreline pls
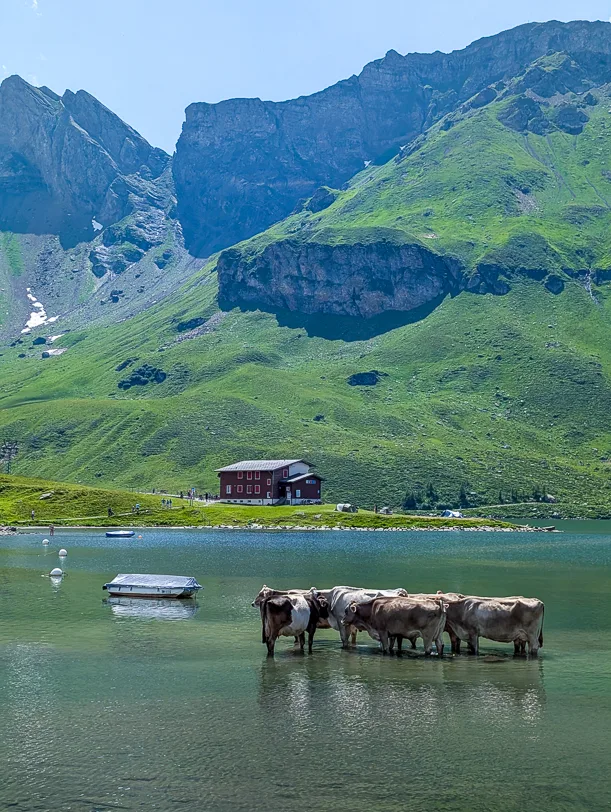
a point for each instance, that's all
(41, 530)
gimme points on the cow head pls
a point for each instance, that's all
(350, 615)
(264, 593)
(403, 593)
(323, 606)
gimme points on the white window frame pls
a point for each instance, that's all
(228, 490)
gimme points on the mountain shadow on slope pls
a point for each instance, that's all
(343, 328)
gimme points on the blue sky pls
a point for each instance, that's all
(148, 59)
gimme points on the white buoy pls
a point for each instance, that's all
(56, 572)
(45, 541)
(63, 553)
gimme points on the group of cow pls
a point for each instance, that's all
(390, 615)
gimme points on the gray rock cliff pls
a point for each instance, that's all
(354, 280)
(66, 161)
(243, 164)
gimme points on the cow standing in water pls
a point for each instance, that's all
(516, 620)
(291, 616)
(401, 617)
(267, 592)
(341, 597)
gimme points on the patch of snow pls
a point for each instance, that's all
(51, 339)
(38, 315)
(96, 226)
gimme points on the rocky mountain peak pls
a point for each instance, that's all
(65, 161)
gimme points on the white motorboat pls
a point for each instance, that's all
(152, 586)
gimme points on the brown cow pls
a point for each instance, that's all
(401, 617)
(516, 620)
(291, 616)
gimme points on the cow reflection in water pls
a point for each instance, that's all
(357, 691)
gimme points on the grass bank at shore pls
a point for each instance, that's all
(67, 505)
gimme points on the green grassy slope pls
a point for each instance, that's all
(483, 191)
(68, 505)
(493, 393)
(498, 397)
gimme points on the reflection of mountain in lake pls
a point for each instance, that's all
(145, 609)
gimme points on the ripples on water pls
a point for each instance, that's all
(152, 705)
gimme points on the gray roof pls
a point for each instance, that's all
(297, 477)
(258, 465)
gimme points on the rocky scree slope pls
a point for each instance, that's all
(86, 208)
(244, 164)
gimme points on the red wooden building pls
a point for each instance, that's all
(269, 482)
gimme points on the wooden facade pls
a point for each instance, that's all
(269, 482)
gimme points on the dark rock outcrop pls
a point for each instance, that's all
(525, 114)
(142, 376)
(366, 378)
(322, 199)
(243, 164)
(362, 280)
(554, 284)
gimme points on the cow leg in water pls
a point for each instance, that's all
(344, 633)
(353, 636)
(473, 644)
(384, 641)
(533, 645)
(311, 630)
(439, 645)
(428, 646)
(271, 643)
(399, 644)
(413, 639)
(454, 641)
(302, 642)
(519, 648)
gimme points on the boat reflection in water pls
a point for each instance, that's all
(152, 609)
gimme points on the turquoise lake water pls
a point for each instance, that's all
(153, 706)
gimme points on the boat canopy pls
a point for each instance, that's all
(162, 581)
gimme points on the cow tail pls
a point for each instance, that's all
(541, 630)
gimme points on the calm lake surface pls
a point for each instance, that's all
(144, 706)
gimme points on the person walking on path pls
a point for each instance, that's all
(51, 530)
(32, 514)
